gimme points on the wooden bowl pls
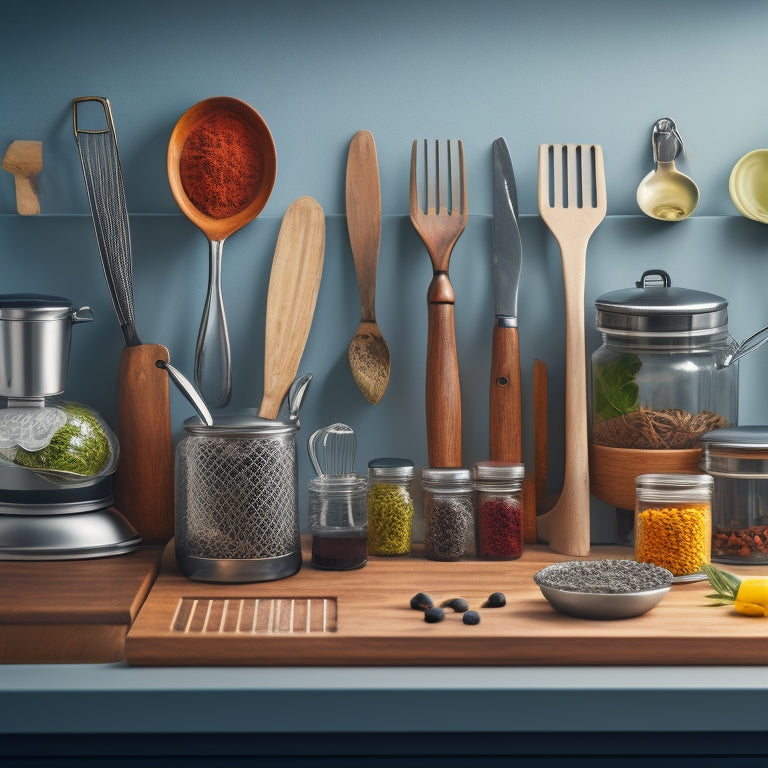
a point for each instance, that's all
(613, 471)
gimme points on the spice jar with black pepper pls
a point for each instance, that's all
(390, 506)
(498, 508)
(448, 512)
(673, 523)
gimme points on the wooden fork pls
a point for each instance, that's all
(572, 203)
(438, 185)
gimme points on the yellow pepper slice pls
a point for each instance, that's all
(752, 597)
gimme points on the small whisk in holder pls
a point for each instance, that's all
(338, 501)
(236, 499)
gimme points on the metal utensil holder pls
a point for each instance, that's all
(236, 500)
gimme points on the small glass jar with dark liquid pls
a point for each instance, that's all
(338, 521)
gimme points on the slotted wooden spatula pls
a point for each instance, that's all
(572, 203)
(294, 282)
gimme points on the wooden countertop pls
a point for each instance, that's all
(363, 617)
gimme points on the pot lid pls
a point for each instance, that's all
(746, 438)
(33, 306)
(655, 306)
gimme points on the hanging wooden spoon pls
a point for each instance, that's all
(368, 351)
(294, 282)
(221, 167)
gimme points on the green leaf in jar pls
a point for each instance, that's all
(615, 387)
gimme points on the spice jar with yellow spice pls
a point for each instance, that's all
(673, 523)
(390, 506)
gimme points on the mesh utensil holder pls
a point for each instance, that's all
(236, 503)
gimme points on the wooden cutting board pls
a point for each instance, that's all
(364, 617)
(73, 610)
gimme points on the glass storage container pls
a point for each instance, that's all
(338, 521)
(737, 459)
(448, 512)
(498, 509)
(663, 376)
(666, 373)
(673, 523)
(390, 506)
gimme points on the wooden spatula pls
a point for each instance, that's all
(24, 159)
(294, 282)
(572, 203)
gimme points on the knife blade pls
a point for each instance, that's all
(506, 443)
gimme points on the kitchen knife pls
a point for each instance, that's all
(506, 442)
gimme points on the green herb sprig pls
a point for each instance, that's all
(726, 585)
(615, 387)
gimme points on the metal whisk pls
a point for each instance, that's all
(106, 194)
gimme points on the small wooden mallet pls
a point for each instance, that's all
(24, 159)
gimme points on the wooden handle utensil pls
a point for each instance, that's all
(294, 282)
(24, 159)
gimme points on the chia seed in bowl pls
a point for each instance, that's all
(603, 589)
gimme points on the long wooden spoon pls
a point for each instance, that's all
(294, 282)
(222, 166)
(368, 352)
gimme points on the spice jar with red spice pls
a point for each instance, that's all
(737, 460)
(498, 503)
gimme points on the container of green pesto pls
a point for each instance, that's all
(390, 506)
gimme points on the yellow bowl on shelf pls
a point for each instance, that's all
(748, 185)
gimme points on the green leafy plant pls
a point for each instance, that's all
(615, 387)
(80, 446)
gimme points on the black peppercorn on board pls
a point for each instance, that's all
(364, 617)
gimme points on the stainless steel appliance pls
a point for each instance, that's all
(57, 458)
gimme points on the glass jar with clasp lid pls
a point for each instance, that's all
(667, 373)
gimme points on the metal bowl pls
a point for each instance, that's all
(602, 604)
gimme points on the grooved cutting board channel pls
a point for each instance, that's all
(253, 615)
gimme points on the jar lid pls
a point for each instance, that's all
(498, 470)
(391, 467)
(747, 438)
(331, 484)
(445, 475)
(33, 306)
(654, 306)
(671, 480)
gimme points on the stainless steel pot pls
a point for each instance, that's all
(35, 337)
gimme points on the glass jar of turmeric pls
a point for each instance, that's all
(673, 523)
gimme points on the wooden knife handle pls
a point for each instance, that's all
(144, 478)
(506, 406)
(443, 395)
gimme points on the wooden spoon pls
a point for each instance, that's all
(368, 351)
(221, 167)
(294, 282)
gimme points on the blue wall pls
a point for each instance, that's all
(555, 71)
